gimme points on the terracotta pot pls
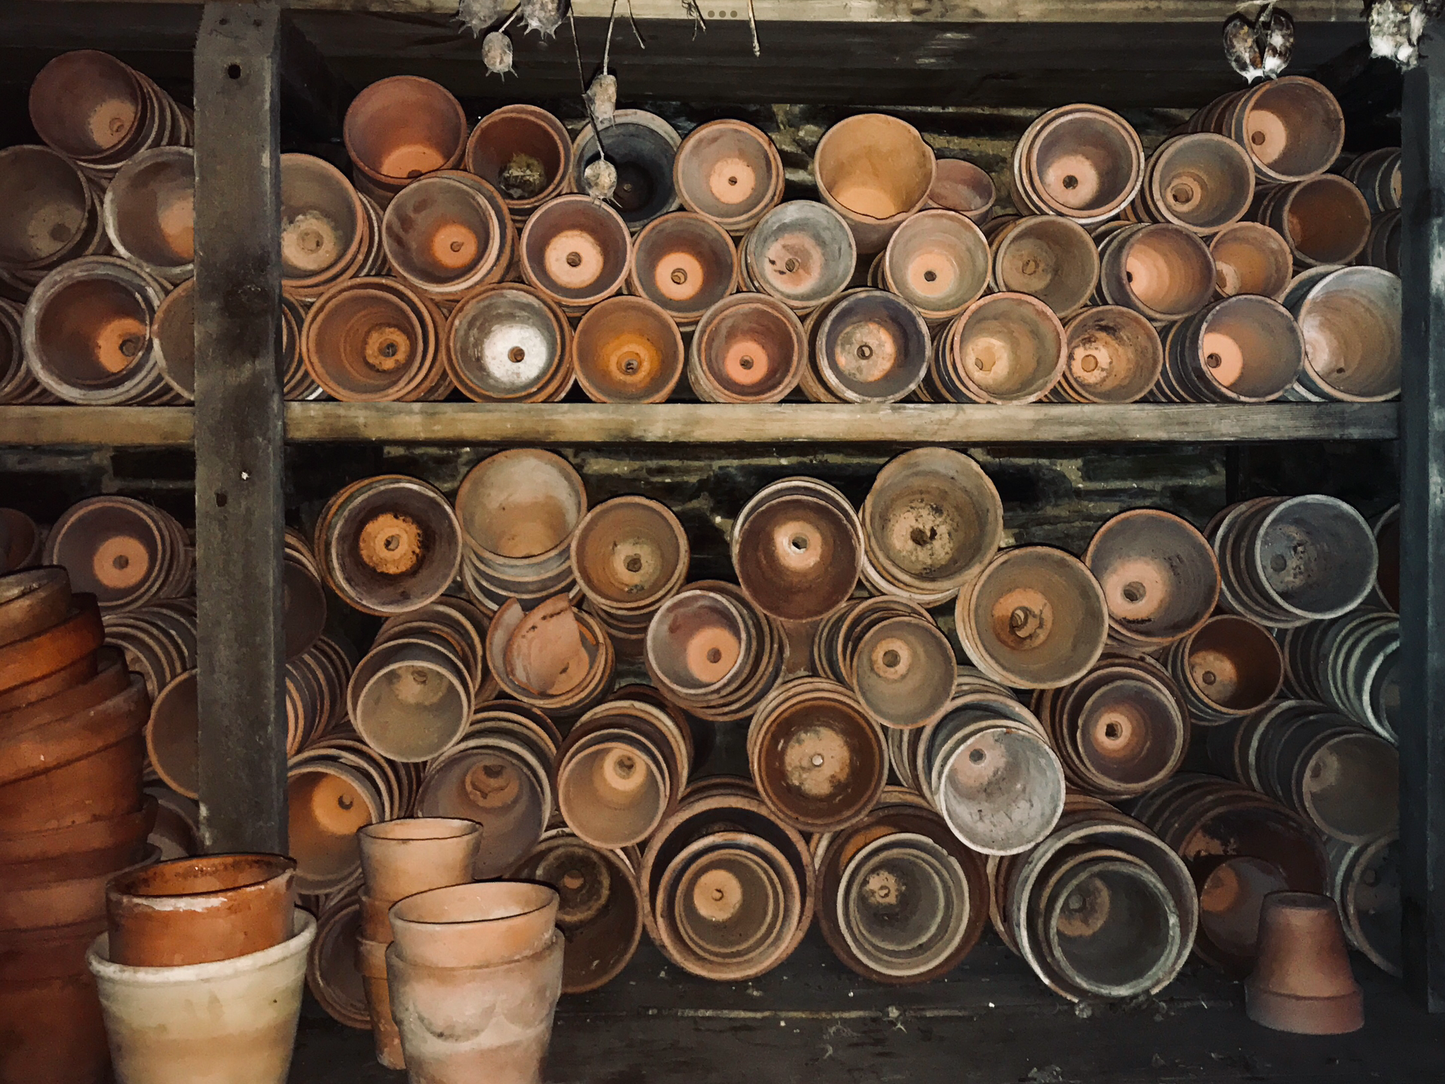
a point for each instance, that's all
(1034, 617)
(173, 736)
(869, 346)
(123, 551)
(51, 1030)
(1048, 257)
(962, 187)
(20, 536)
(403, 857)
(600, 913)
(1199, 180)
(232, 1022)
(76, 635)
(1302, 981)
(729, 171)
(474, 925)
(1161, 270)
(1251, 258)
(509, 343)
(443, 235)
(375, 920)
(333, 973)
(800, 252)
(938, 261)
(1292, 128)
(748, 348)
(66, 853)
(52, 212)
(200, 910)
(402, 127)
(63, 902)
(628, 350)
(1378, 176)
(371, 965)
(1080, 161)
(325, 229)
(797, 548)
(1159, 575)
(98, 777)
(522, 151)
(576, 252)
(460, 1024)
(150, 212)
(818, 760)
(642, 147)
(1349, 319)
(1004, 348)
(100, 353)
(31, 602)
(875, 170)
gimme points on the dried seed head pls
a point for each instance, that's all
(1395, 29)
(497, 53)
(543, 16)
(602, 99)
(477, 15)
(601, 179)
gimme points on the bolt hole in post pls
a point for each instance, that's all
(233, 71)
(221, 498)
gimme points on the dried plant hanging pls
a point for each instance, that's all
(477, 15)
(1259, 45)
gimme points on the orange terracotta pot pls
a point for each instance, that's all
(200, 910)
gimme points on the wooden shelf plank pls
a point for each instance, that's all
(697, 423)
(941, 11)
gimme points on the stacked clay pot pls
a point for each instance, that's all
(201, 969)
(475, 971)
(400, 858)
(72, 813)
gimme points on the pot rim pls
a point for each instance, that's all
(97, 958)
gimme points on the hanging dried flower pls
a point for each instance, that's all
(497, 53)
(477, 15)
(543, 16)
(600, 179)
(602, 99)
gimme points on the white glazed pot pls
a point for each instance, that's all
(230, 1022)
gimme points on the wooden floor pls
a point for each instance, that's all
(813, 1022)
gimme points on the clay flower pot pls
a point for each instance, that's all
(200, 910)
(474, 925)
(464, 1024)
(371, 964)
(729, 171)
(416, 854)
(1302, 981)
(53, 1028)
(628, 350)
(400, 128)
(875, 171)
(1251, 258)
(522, 151)
(150, 212)
(229, 1022)
(685, 263)
(962, 187)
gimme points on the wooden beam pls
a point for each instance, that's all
(1422, 529)
(931, 11)
(238, 422)
(1038, 423)
(695, 423)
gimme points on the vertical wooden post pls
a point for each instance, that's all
(239, 429)
(1422, 528)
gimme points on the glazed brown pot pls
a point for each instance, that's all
(200, 910)
(416, 854)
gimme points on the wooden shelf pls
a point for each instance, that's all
(696, 423)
